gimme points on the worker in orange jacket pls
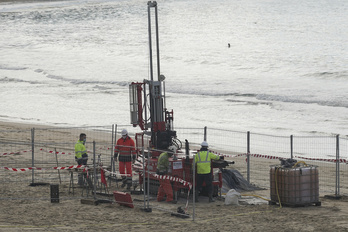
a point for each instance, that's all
(126, 153)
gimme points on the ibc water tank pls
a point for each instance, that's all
(294, 186)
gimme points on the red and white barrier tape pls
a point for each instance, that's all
(12, 153)
(253, 155)
(325, 160)
(178, 180)
(41, 149)
(51, 151)
(35, 168)
(118, 173)
(220, 154)
(171, 178)
(57, 168)
(277, 157)
(57, 152)
(174, 179)
(266, 156)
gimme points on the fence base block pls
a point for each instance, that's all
(334, 197)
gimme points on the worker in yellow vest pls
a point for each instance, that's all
(203, 167)
(81, 156)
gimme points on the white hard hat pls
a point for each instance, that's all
(124, 132)
(204, 144)
(172, 148)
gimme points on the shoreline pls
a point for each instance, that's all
(20, 125)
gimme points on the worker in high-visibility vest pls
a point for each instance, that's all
(126, 153)
(165, 187)
(203, 167)
(81, 156)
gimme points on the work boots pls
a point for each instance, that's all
(80, 179)
(211, 199)
(129, 183)
(123, 182)
(196, 197)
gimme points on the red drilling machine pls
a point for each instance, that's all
(148, 111)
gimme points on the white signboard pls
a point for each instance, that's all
(177, 165)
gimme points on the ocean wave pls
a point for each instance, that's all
(250, 102)
(81, 81)
(62, 11)
(34, 6)
(302, 100)
(331, 75)
(200, 92)
(264, 99)
(16, 80)
(4, 67)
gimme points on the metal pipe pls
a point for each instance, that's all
(149, 5)
(145, 105)
(157, 44)
(153, 116)
(164, 95)
(205, 134)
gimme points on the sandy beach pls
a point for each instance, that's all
(97, 43)
(71, 215)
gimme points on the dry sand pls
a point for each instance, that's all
(70, 215)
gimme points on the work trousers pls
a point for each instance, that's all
(165, 188)
(208, 179)
(123, 168)
(83, 160)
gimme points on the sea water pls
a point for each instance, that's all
(265, 66)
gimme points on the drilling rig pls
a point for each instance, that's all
(147, 99)
(148, 111)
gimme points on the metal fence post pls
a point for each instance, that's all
(337, 165)
(32, 154)
(95, 173)
(291, 146)
(144, 176)
(194, 186)
(248, 156)
(148, 209)
(112, 149)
